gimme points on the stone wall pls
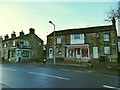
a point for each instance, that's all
(0, 49)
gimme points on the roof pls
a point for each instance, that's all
(83, 30)
(20, 37)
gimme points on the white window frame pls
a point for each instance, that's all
(59, 40)
(79, 40)
(14, 43)
(106, 50)
(106, 37)
(76, 36)
(5, 45)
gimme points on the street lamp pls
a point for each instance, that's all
(54, 45)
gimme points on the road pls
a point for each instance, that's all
(14, 76)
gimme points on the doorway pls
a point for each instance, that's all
(50, 53)
(95, 52)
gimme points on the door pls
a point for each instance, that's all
(50, 53)
(18, 55)
(78, 53)
(95, 52)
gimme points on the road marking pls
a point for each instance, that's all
(111, 87)
(9, 69)
(58, 77)
(33, 72)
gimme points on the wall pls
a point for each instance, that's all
(0, 49)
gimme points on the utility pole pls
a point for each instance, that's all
(54, 42)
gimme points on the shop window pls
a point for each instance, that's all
(106, 37)
(70, 53)
(25, 53)
(84, 52)
(106, 50)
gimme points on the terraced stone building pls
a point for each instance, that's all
(23, 48)
(84, 44)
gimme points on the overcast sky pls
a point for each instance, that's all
(22, 15)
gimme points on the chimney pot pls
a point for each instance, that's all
(13, 35)
(21, 33)
(6, 37)
(32, 30)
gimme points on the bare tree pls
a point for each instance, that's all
(113, 13)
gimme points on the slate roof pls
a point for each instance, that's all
(83, 30)
(22, 37)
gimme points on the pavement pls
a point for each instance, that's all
(100, 68)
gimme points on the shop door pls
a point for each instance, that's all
(78, 53)
(50, 53)
(95, 52)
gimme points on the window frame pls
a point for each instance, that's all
(106, 51)
(58, 40)
(106, 37)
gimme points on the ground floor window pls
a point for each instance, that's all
(58, 51)
(85, 52)
(77, 52)
(106, 50)
(12, 53)
(25, 53)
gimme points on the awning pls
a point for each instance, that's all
(78, 46)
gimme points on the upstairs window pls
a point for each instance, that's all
(106, 37)
(76, 36)
(59, 40)
(14, 43)
(77, 39)
(4, 45)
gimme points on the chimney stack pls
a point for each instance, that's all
(21, 33)
(32, 31)
(6, 37)
(13, 35)
(113, 21)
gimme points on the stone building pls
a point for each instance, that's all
(84, 44)
(23, 48)
(119, 46)
(0, 48)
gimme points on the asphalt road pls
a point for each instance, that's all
(40, 77)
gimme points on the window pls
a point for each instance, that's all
(26, 43)
(4, 45)
(106, 37)
(25, 53)
(77, 36)
(106, 50)
(40, 44)
(14, 43)
(12, 53)
(77, 39)
(59, 40)
(58, 50)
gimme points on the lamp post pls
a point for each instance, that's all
(54, 45)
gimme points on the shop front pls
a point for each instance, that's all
(17, 55)
(78, 52)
